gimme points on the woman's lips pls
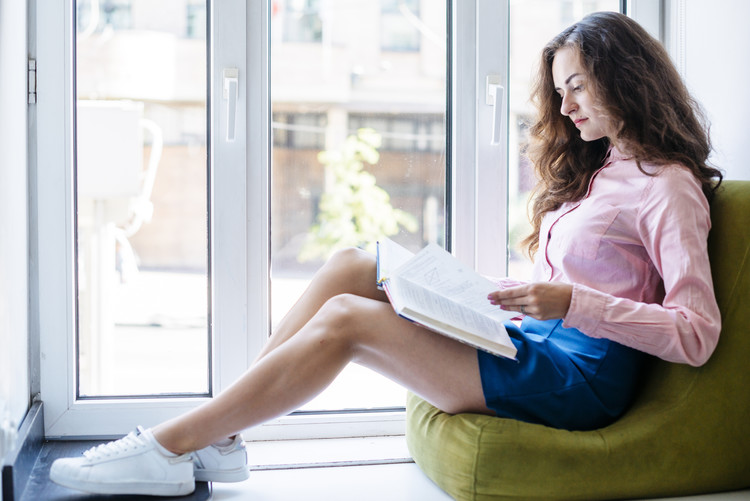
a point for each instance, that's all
(579, 121)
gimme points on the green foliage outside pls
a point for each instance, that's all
(353, 210)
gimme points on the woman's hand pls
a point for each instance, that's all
(541, 300)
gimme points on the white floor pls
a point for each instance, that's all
(364, 483)
(392, 482)
(332, 470)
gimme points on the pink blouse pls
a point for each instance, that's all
(635, 250)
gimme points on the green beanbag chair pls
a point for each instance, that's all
(688, 431)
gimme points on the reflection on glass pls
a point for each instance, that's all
(533, 23)
(358, 109)
(141, 197)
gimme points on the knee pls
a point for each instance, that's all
(340, 311)
(351, 257)
(339, 319)
(353, 263)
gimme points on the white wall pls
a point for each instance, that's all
(717, 41)
(14, 333)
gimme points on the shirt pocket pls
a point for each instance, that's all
(581, 230)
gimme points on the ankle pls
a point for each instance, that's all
(224, 441)
(167, 442)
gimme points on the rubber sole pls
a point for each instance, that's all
(145, 488)
(236, 475)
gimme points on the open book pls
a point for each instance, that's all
(434, 289)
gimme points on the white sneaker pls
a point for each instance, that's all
(222, 462)
(135, 464)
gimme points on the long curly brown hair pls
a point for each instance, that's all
(638, 88)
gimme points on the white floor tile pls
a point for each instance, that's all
(396, 482)
(271, 454)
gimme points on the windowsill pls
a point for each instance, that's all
(290, 454)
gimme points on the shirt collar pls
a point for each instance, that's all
(614, 155)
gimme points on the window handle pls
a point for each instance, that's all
(495, 98)
(231, 93)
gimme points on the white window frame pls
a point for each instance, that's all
(53, 295)
(240, 178)
(650, 15)
(479, 168)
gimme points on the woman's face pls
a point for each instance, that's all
(578, 101)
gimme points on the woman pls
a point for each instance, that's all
(621, 220)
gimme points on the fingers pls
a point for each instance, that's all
(511, 299)
(510, 296)
(541, 300)
(509, 293)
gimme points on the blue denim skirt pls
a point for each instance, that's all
(562, 378)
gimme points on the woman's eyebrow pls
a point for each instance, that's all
(571, 77)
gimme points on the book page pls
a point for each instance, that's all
(409, 295)
(436, 269)
(390, 256)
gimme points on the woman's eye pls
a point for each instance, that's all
(578, 88)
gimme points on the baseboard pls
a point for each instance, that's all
(19, 461)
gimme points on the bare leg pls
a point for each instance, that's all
(347, 328)
(349, 271)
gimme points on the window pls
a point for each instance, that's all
(548, 17)
(405, 132)
(302, 21)
(352, 100)
(124, 132)
(400, 25)
(96, 16)
(196, 19)
(299, 130)
(141, 203)
(301, 80)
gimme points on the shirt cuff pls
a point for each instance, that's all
(506, 282)
(586, 310)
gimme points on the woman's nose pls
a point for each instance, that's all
(568, 105)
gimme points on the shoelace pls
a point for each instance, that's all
(133, 440)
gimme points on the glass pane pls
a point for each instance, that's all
(533, 23)
(142, 197)
(358, 98)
